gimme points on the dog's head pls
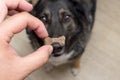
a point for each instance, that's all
(70, 18)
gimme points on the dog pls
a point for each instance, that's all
(73, 19)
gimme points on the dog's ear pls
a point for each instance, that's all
(89, 7)
(85, 8)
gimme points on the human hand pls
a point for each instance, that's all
(11, 7)
(13, 66)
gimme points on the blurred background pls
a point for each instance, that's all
(100, 61)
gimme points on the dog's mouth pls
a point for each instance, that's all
(57, 51)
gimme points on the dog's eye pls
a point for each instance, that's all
(44, 18)
(66, 18)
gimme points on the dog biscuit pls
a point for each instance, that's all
(60, 40)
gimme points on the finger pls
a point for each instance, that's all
(19, 4)
(3, 10)
(20, 21)
(36, 59)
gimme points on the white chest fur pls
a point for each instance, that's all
(56, 61)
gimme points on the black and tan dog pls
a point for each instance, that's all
(73, 19)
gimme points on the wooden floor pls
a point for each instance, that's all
(101, 60)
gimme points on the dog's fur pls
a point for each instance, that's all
(72, 18)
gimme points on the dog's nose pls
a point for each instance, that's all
(56, 49)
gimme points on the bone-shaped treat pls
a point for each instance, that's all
(60, 40)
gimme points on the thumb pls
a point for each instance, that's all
(36, 59)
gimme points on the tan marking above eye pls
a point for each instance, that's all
(62, 10)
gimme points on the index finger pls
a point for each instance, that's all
(22, 5)
(20, 21)
(18, 5)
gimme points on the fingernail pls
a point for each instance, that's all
(28, 7)
(50, 49)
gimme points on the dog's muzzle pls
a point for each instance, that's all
(57, 43)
